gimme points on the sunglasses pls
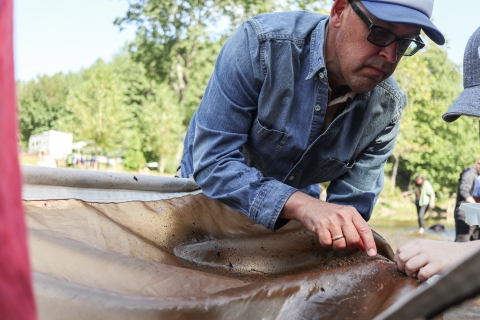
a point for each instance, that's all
(382, 37)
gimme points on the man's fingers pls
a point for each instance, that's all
(325, 238)
(366, 235)
(414, 264)
(339, 242)
(427, 271)
(361, 245)
(405, 253)
(408, 246)
(352, 238)
(335, 220)
(399, 262)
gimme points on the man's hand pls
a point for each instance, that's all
(470, 200)
(329, 220)
(425, 258)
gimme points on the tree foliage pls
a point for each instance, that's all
(426, 143)
(97, 109)
(41, 103)
(161, 123)
(171, 35)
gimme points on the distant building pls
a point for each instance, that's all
(58, 144)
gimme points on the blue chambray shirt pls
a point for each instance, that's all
(256, 137)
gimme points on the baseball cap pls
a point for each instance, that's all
(468, 102)
(416, 12)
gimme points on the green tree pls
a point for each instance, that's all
(42, 103)
(415, 79)
(202, 68)
(171, 34)
(426, 143)
(161, 123)
(155, 129)
(97, 108)
(136, 90)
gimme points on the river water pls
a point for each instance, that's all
(397, 232)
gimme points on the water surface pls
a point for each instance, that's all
(397, 232)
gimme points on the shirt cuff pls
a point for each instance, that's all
(269, 203)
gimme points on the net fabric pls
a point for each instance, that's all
(192, 257)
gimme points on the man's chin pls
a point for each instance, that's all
(364, 87)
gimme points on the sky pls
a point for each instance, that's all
(67, 35)
(53, 36)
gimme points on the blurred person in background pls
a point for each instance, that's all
(465, 194)
(424, 199)
(46, 160)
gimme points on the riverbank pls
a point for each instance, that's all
(403, 209)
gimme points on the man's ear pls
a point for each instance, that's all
(337, 14)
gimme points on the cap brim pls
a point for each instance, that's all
(467, 104)
(400, 14)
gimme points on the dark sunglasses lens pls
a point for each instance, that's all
(407, 48)
(380, 37)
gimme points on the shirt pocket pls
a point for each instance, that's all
(264, 146)
(327, 171)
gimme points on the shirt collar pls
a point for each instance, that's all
(317, 45)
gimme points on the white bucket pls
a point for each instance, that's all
(472, 213)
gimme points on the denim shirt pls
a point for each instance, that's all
(256, 137)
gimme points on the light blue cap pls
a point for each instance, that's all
(416, 12)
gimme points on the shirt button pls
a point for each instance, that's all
(291, 178)
(317, 108)
(315, 78)
(321, 75)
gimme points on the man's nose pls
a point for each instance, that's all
(389, 52)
